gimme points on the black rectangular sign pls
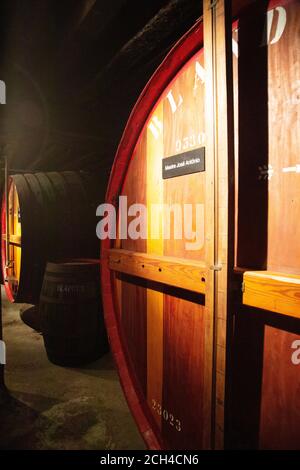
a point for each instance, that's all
(184, 163)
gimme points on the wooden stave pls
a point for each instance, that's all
(27, 205)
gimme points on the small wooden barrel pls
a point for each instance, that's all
(71, 313)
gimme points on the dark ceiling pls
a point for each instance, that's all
(73, 70)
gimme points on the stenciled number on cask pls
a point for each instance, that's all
(296, 354)
(190, 142)
(279, 14)
(167, 416)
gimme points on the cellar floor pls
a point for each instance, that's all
(51, 407)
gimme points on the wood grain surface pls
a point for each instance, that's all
(268, 227)
(171, 325)
(172, 271)
(271, 291)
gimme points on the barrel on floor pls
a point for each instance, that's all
(71, 313)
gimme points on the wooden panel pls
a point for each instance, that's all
(209, 224)
(183, 373)
(133, 314)
(224, 201)
(155, 299)
(17, 233)
(219, 119)
(134, 328)
(14, 239)
(269, 137)
(284, 139)
(236, 133)
(280, 406)
(134, 188)
(176, 272)
(276, 292)
(183, 379)
(184, 131)
(265, 399)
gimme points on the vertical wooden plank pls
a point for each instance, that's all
(17, 231)
(11, 249)
(134, 297)
(184, 317)
(155, 246)
(183, 373)
(118, 281)
(280, 404)
(268, 233)
(284, 140)
(2, 383)
(134, 327)
(236, 132)
(209, 219)
(219, 111)
(225, 201)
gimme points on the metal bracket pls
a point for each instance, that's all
(216, 267)
(213, 4)
(9, 264)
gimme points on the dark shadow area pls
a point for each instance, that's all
(246, 378)
(18, 423)
(244, 372)
(96, 368)
(184, 294)
(30, 316)
(253, 138)
(248, 351)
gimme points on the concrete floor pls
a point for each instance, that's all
(51, 407)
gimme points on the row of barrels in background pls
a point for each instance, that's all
(54, 261)
(51, 216)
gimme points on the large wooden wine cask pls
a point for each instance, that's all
(51, 216)
(156, 324)
(202, 364)
(71, 313)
